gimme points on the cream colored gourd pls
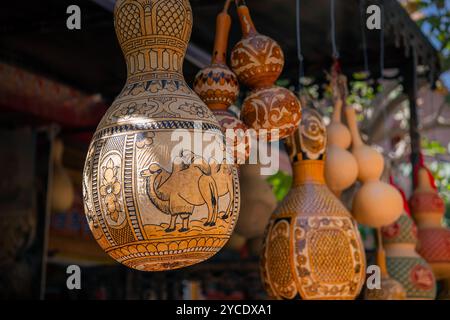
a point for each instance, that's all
(341, 168)
(62, 187)
(376, 203)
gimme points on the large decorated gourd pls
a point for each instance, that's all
(428, 208)
(366, 204)
(312, 247)
(390, 289)
(258, 61)
(341, 168)
(404, 264)
(153, 202)
(62, 187)
(218, 87)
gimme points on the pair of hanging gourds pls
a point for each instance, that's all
(363, 163)
(257, 62)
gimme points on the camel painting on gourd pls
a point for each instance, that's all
(201, 186)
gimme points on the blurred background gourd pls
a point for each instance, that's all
(366, 204)
(404, 264)
(390, 289)
(258, 61)
(341, 168)
(257, 203)
(152, 206)
(428, 209)
(312, 248)
(62, 187)
(218, 87)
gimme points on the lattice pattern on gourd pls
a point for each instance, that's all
(128, 22)
(278, 261)
(171, 18)
(331, 257)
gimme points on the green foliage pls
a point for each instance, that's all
(281, 184)
(361, 93)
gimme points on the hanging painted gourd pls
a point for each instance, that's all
(218, 87)
(62, 187)
(404, 264)
(428, 209)
(390, 289)
(341, 168)
(151, 203)
(258, 61)
(312, 247)
(366, 204)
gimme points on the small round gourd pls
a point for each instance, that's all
(376, 203)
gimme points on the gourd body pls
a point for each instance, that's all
(152, 203)
(312, 247)
(428, 208)
(366, 206)
(404, 264)
(257, 204)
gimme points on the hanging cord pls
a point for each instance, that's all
(333, 29)
(301, 72)
(364, 36)
(382, 57)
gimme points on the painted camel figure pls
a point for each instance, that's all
(199, 188)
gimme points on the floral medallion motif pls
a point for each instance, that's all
(110, 191)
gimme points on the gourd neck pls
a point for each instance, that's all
(381, 254)
(353, 127)
(309, 172)
(248, 28)
(155, 63)
(223, 25)
(337, 113)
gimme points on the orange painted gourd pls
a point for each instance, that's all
(428, 209)
(258, 61)
(376, 203)
(403, 262)
(312, 248)
(218, 87)
(341, 168)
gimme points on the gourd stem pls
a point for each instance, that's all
(381, 254)
(223, 26)
(353, 126)
(247, 26)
